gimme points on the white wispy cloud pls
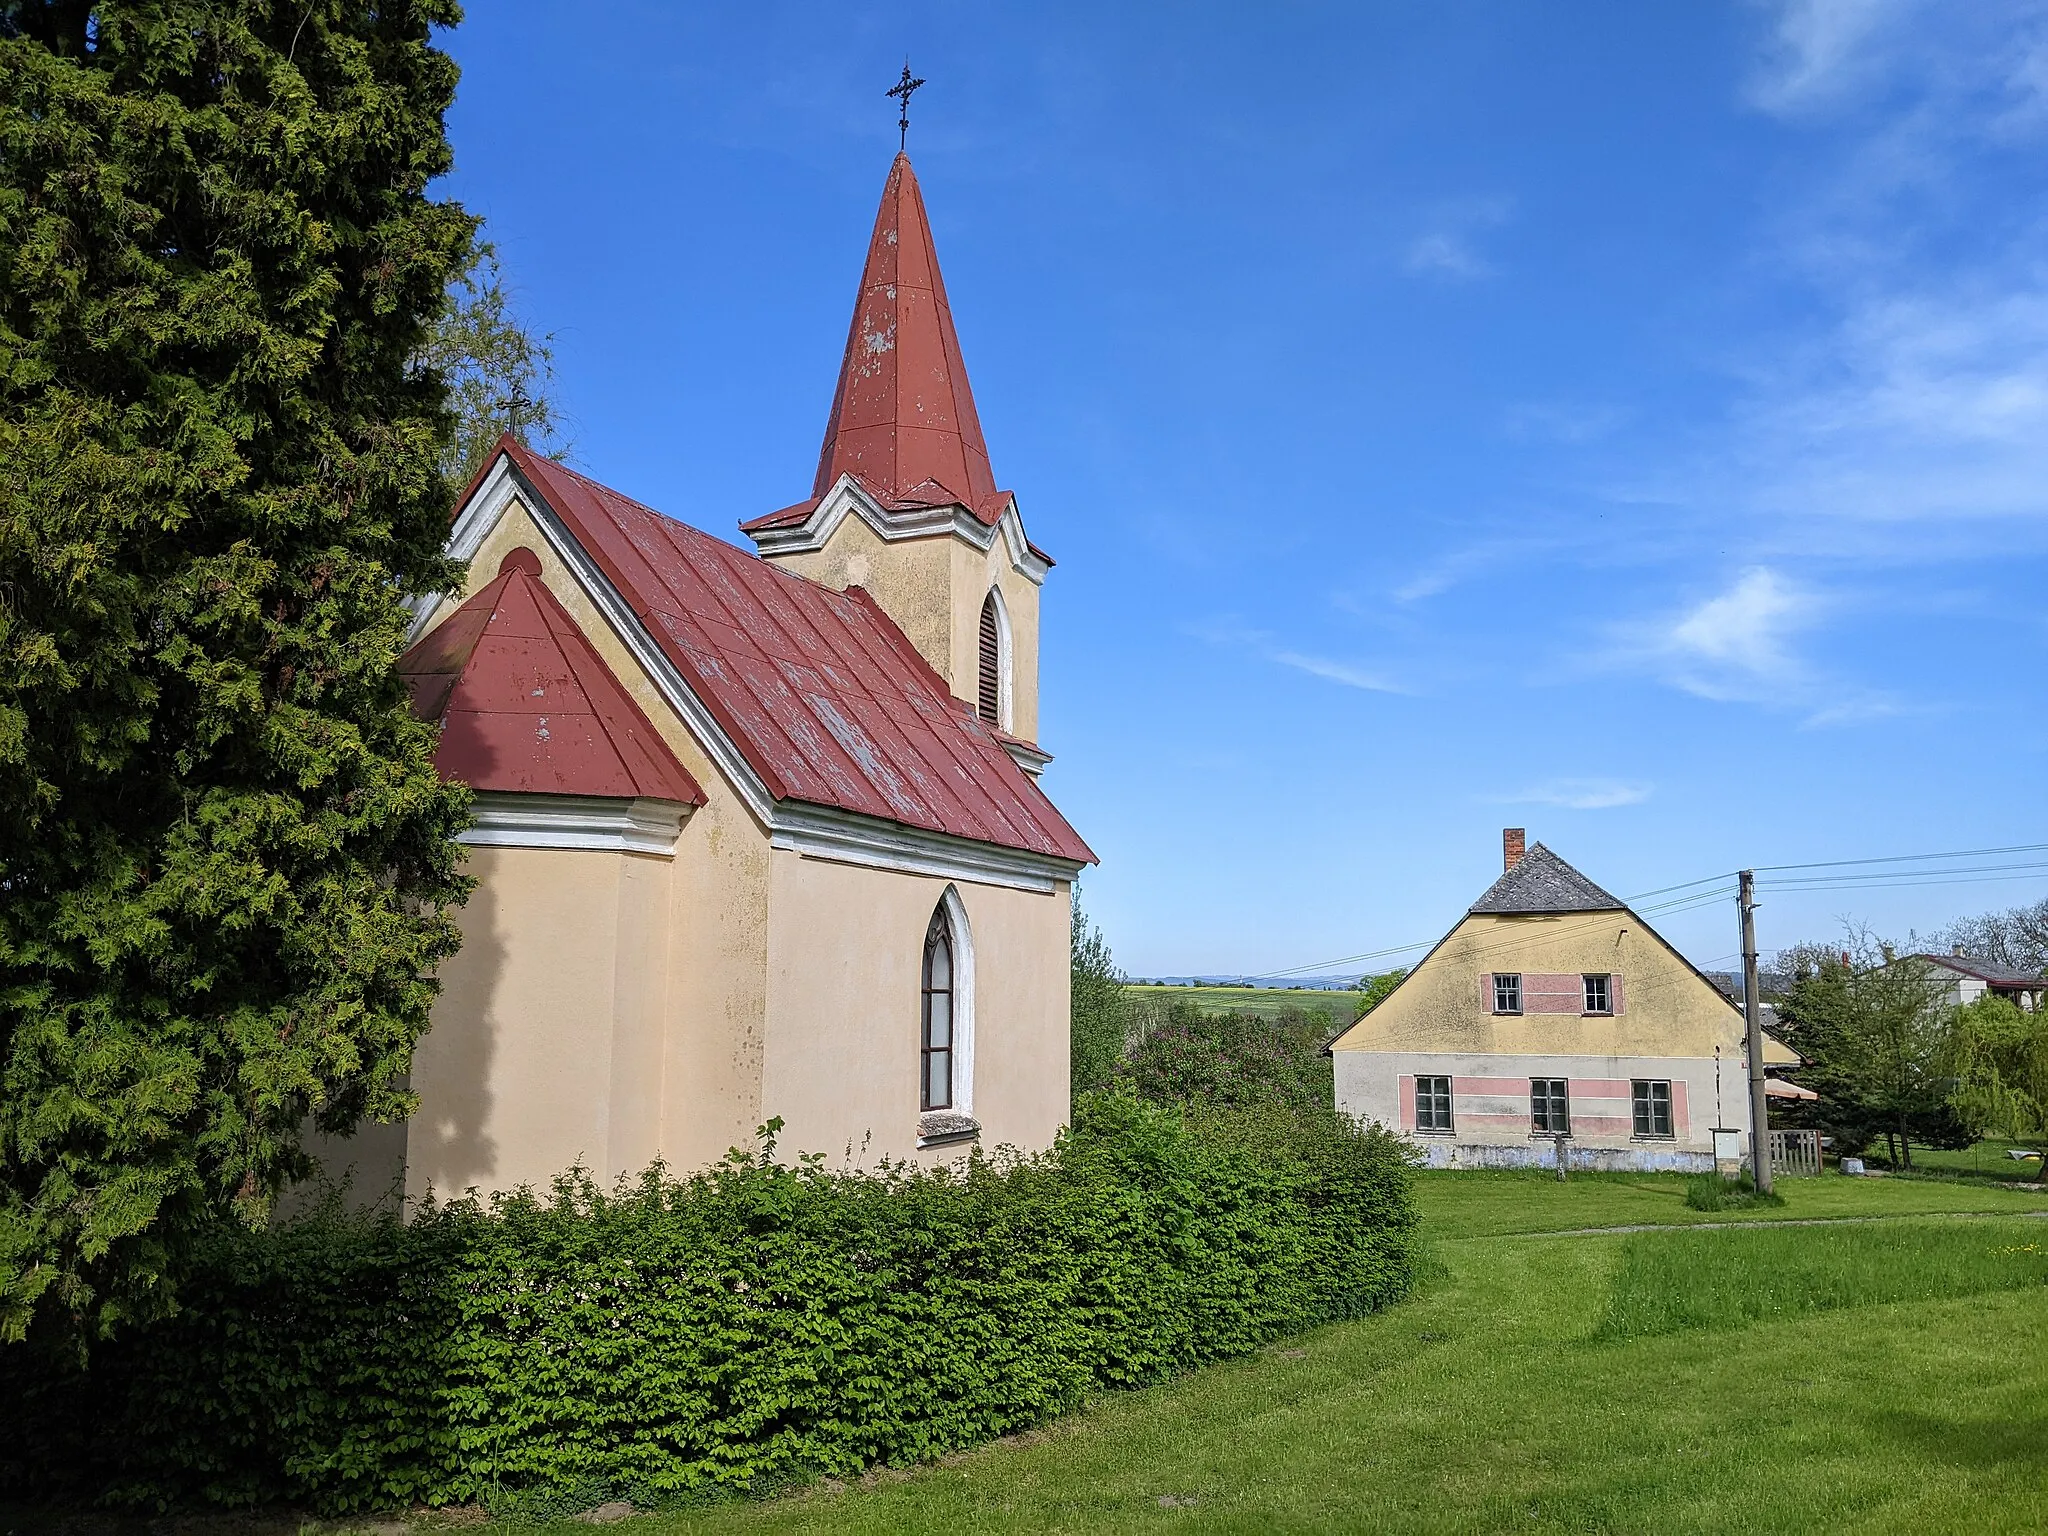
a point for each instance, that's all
(1738, 641)
(1741, 645)
(1449, 246)
(1578, 794)
(1268, 646)
(1336, 672)
(1922, 393)
(1823, 51)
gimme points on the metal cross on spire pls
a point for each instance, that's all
(904, 88)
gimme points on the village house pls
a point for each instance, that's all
(758, 834)
(1552, 1009)
(1968, 978)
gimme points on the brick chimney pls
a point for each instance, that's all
(1513, 840)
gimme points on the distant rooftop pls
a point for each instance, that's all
(1985, 971)
(1540, 881)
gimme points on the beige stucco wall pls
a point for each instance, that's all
(846, 944)
(545, 1045)
(1668, 1009)
(609, 1008)
(715, 994)
(934, 587)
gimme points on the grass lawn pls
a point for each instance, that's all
(1486, 1204)
(1986, 1160)
(1266, 1002)
(1881, 1377)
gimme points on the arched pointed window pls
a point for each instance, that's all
(991, 694)
(937, 1052)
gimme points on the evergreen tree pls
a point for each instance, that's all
(225, 858)
(1099, 1007)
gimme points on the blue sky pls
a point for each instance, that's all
(1628, 421)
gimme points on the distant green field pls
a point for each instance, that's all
(1266, 1002)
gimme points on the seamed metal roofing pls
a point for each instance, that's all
(820, 691)
(528, 707)
(903, 421)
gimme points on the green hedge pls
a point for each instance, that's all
(748, 1326)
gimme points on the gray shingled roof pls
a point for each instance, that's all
(1542, 882)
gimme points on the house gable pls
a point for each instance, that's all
(1665, 1007)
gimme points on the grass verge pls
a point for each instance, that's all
(1669, 1281)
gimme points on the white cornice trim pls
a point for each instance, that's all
(842, 837)
(1028, 757)
(847, 499)
(576, 821)
(474, 521)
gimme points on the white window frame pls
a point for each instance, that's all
(1520, 1001)
(962, 935)
(1606, 980)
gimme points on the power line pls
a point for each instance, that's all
(1908, 858)
(1876, 880)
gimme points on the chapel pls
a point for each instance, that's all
(759, 834)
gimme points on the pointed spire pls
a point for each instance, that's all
(903, 417)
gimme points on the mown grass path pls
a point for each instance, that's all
(1492, 1402)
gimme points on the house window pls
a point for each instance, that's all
(1599, 997)
(989, 702)
(1653, 1108)
(1550, 1108)
(936, 1054)
(1432, 1103)
(1507, 993)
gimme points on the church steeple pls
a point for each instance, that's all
(903, 419)
(904, 503)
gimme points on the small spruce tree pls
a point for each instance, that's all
(1100, 1010)
(225, 857)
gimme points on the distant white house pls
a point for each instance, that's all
(1970, 978)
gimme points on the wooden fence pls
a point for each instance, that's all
(1795, 1153)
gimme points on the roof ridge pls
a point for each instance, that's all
(1542, 881)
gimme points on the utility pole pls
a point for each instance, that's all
(1753, 1018)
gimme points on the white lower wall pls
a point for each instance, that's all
(1491, 1126)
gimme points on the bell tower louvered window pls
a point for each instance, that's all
(989, 703)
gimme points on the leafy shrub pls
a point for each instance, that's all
(738, 1329)
(1232, 1059)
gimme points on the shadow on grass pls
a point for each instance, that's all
(2003, 1445)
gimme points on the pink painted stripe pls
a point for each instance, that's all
(1508, 1085)
(1407, 1101)
(1681, 1121)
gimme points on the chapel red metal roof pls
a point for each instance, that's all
(528, 707)
(823, 695)
(903, 420)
